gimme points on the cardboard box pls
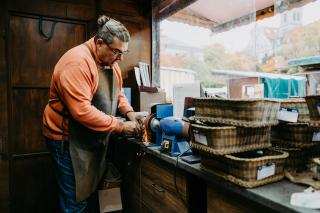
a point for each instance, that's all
(180, 91)
(147, 99)
(110, 200)
(144, 97)
(252, 91)
(235, 85)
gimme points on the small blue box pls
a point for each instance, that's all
(127, 93)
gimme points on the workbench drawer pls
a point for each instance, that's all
(158, 191)
(224, 201)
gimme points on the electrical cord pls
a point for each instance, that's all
(175, 177)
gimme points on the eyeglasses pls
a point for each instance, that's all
(116, 51)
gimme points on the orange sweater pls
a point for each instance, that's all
(75, 80)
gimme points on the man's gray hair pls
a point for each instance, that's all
(109, 28)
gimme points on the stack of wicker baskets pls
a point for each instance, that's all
(313, 103)
(298, 139)
(233, 136)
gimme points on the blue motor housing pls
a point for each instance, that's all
(172, 126)
(173, 140)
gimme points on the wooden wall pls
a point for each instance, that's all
(140, 30)
(4, 162)
(27, 60)
(3, 85)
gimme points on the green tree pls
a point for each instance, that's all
(215, 55)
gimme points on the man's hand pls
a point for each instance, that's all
(131, 116)
(132, 128)
(137, 117)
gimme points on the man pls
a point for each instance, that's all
(85, 92)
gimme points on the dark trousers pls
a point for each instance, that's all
(65, 178)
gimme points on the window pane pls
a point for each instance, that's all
(220, 42)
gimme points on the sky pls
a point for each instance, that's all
(233, 40)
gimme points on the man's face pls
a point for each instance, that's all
(109, 54)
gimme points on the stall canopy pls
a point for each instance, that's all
(275, 85)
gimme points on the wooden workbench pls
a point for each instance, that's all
(201, 191)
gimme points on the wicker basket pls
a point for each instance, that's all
(313, 103)
(246, 169)
(221, 140)
(296, 135)
(300, 104)
(237, 112)
(298, 158)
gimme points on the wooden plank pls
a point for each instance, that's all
(81, 12)
(265, 13)
(31, 63)
(158, 188)
(31, 173)
(61, 9)
(122, 8)
(33, 58)
(227, 202)
(32, 185)
(27, 110)
(164, 9)
(3, 82)
(4, 185)
(77, 2)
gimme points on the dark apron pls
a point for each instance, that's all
(88, 148)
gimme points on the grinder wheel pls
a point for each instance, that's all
(148, 133)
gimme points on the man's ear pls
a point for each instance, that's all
(99, 42)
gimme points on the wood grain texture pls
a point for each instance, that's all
(3, 83)
(158, 189)
(85, 10)
(31, 65)
(27, 108)
(4, 162)
(32, 58)
(219, 200)
(25, 73)
(166, 8)
(33, 187)
(4, 185)
(31, 61)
